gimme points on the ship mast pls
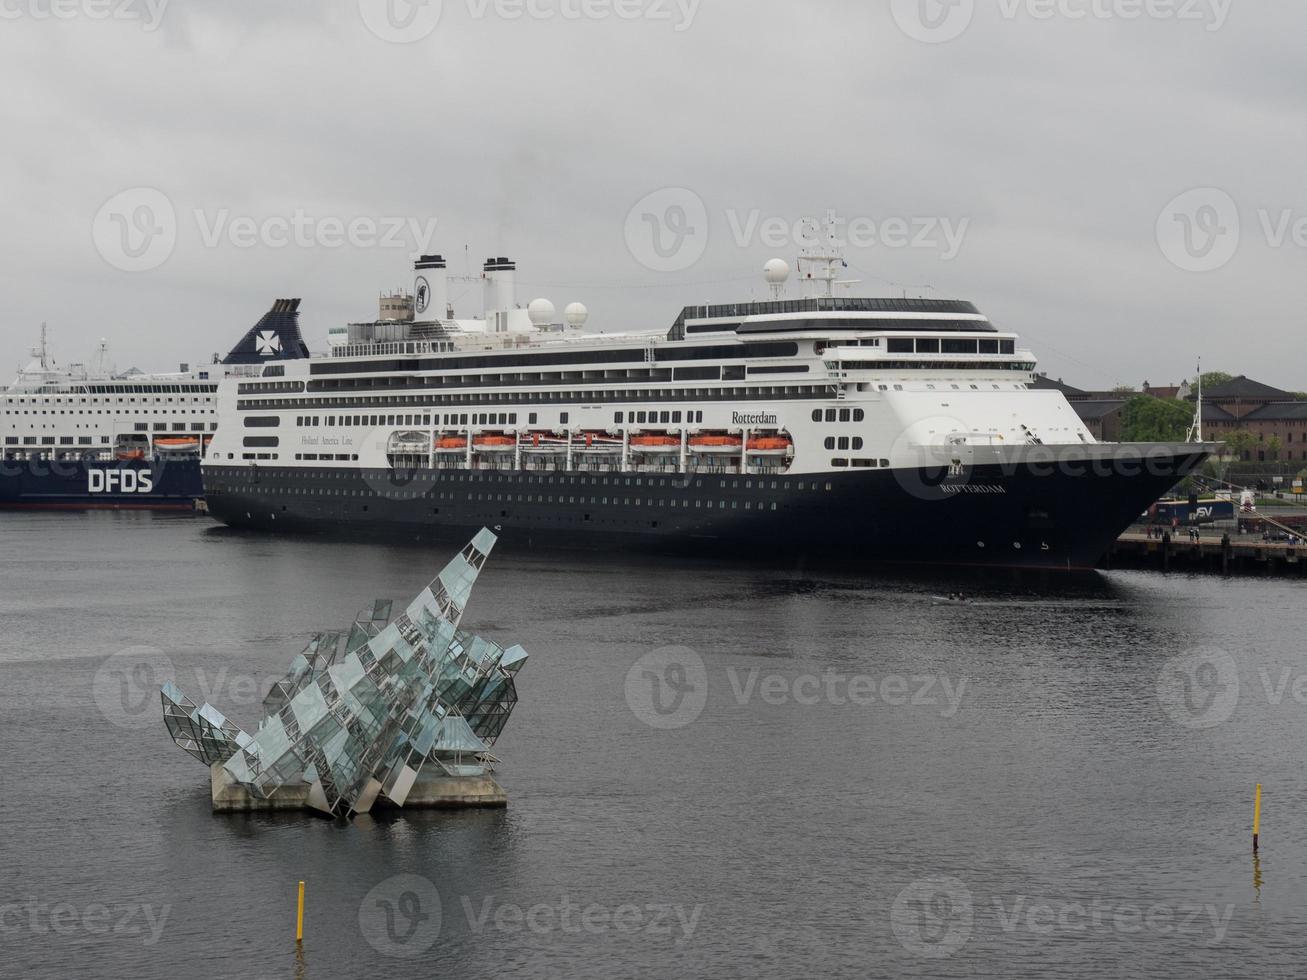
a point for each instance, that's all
(818, 261)
(1196, 427)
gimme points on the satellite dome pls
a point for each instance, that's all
(541, 312)
(576, 314)
(777, 271)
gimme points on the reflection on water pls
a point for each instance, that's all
(715, 770)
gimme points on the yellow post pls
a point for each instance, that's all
(1257, 817)
(299, 917)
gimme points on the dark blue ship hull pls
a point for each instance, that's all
(161, 483)
(1025, 512)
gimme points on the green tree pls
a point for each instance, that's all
(1239, 442)
(1213, 378)
(1148, 419)
(1125, 390)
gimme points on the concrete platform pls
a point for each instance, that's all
(431, 791)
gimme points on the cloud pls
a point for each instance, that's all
(1059, 140)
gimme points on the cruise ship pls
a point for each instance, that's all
(87, 437)
(822, 425)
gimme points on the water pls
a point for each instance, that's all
(869, 784)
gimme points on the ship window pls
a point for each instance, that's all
(927, 345)
(899, 345)
(989, 346)
(859, 415)
(830, 442)
(664, 417)
(845, 415)
(830, 415)
(563, 417)
(618, 416)
(816, 414)
(844, 442)
(857, 442)
(1007, 346)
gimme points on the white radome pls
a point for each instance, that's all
(541, 312)
(576, 314)
(777, 271)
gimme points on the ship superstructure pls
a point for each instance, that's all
(87, 435)
(877, 428)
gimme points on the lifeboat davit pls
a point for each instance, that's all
(655, 444)
(597, 442)
(719, 444)
(495, 442)
(543, 442)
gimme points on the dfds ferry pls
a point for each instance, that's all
(901, 430)
(87, 437)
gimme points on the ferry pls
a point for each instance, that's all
(88, 437)
(865, 428)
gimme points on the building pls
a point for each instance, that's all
(1276, 419)
(1102, 417)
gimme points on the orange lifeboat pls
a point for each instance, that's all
(655, 443)
(723, 444)
(770, 446)
(178, 443)
(132, 454)
(451, 442)
(493, 442)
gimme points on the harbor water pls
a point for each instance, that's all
(715, 770)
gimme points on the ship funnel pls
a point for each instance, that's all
(276, 337)
(430, 289)
(500, 277)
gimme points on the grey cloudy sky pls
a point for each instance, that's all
(1055, 138)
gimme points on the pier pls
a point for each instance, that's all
(1219, 550)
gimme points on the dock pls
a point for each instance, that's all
(1224, 552)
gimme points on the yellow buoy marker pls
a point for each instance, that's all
(1257, 817)
(299, 914)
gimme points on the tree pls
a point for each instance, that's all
(1124, 390)
(1148, 419)
(1211, 379)
(1239, 442)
